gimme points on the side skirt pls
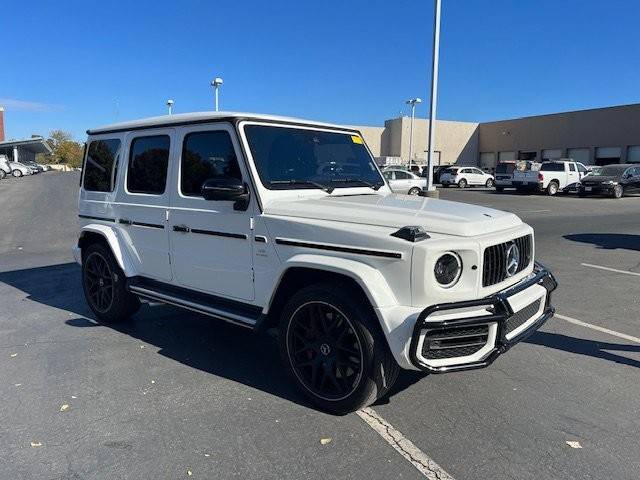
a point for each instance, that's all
(238, 313)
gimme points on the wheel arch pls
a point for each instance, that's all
(102, 233)
(304, 270)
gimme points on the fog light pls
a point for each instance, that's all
(448, 269)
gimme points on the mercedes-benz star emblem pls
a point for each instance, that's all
(513, 259)
(325, 349)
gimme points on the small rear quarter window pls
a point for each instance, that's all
(100, 165)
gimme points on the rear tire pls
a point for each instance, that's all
(414, 191)
(104, 285)
(334, 349)
(462, 183)
(552, 188)
(2, 174)
(17, 173)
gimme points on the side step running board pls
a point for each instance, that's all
(238, 313)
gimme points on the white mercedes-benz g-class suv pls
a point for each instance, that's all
(267, 221)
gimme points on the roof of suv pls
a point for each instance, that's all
(204, 117)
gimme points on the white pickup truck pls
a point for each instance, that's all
(550, 178)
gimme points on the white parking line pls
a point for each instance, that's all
(405, 447)
(575, 321)
(609, 269)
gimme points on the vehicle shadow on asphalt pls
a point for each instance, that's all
(608, 241)
(590, 348)
(194, 340)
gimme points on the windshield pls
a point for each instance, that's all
(611, 171)
(292, 158)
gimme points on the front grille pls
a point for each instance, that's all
(454, 342)
(495, 260)
(520, 317)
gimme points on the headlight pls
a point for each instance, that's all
(448, 269)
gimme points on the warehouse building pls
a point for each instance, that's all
(594, 137)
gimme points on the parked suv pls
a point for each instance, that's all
(239, 217)
(5, 167)
(466, 176)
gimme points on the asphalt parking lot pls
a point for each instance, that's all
(179, 395)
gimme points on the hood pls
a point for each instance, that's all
(396, 211)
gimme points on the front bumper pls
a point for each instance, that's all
(498, 327)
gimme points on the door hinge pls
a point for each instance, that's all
(166, 215)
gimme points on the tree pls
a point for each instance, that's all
(65, 149)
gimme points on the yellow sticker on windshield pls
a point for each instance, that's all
(356, 139)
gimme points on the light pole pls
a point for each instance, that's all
(413, 103)
(434, 94)
(215, 83)
(170, 106)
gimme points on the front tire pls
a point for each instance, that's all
(334, 349)
(2, 174)
(104, 285)
(17, 173)
(618, 191)
(414, 191)
(489, 183)
(499, 189)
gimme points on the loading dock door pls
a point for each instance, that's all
(551, 154)
(633, 154)
(608, 155)
(579, 155)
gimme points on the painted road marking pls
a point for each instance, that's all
(405, 447)
(609, 269)
(575, 321)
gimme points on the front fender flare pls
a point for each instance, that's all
(372, 282)
(114, 242)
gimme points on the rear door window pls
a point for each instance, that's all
(148, 162)
(100, 165)
(552, 167)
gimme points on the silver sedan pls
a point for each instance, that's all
(402, 181)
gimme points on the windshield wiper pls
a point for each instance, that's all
(326, 188)
(374, 186)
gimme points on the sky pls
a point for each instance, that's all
(75, 65)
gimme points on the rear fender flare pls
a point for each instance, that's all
(115, 243)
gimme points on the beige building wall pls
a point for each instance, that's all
(373, 138)
(586, 129)
(457, 142)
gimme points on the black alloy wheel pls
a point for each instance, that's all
(325, 352)
(99, 282)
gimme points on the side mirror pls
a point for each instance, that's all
(227, 189)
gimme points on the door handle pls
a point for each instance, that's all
(125, 221)
(181, 228)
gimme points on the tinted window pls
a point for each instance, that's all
(611, 171)
(572, 167)
(100, 166)
(206, 155)
(287, 157)
(148, 161)
(505, 168)
(388, 174)
(402, 175)
(552, 167)
(581, 168)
